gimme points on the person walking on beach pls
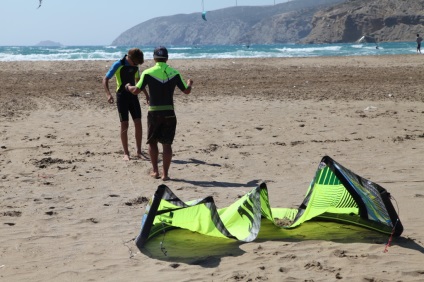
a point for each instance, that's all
(161, 120)
(126, 72)
(419, 40)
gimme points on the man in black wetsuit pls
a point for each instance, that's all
(162, 80)
(126, 71)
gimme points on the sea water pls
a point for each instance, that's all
(73, 53)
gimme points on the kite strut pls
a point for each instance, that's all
(39, 5)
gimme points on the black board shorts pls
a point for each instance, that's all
(161, 128)
(128, 103)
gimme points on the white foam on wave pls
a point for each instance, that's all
(227, 55)
(181, 48)
(69, 53)
(309, 49)
(62, 55)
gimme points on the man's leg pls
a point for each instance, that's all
(154, 155)
(124, 139)
(138, 135)
(167, 157)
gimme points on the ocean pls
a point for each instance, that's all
(74, 53)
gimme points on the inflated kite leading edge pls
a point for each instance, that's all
(335, 194)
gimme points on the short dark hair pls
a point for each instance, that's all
(136, 55)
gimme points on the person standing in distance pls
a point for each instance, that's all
(126, 72)
(161, 120)
(419, 40)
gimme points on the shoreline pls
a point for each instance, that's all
(340, 78)
(227, 51)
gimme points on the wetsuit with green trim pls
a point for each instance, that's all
(126, 101)
(162, 80)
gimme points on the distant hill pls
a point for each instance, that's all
(48, 43)
(297, 21)
(281, 23)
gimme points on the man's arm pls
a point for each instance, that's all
(109, 75)
(189, 84)
(147, 96)
(133, 89)
(109, 96)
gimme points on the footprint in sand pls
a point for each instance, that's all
(12, 213)
(137, 201)
(93, 220)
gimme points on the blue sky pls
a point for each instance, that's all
(91, 22)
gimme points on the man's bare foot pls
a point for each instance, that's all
(126, 157)
(165, 178)
(155, 175)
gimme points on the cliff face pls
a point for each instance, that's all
(281, 23)
(379, 20)
(297, 21)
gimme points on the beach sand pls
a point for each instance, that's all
(70, 207)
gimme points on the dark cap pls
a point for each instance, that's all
(160, 53)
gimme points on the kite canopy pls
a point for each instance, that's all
(203, 9)
(335, 194)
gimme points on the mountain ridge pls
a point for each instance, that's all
(297, 21)
(233, 25)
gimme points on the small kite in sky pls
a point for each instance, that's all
(40, 3)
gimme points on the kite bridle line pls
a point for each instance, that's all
(397, 206)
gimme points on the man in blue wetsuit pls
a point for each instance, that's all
(126, 72)
(161, 120)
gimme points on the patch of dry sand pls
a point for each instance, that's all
(70, 207)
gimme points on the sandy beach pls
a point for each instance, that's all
(70, 207)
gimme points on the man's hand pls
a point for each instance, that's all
(110, 99)
(189, 82)
(147, 96)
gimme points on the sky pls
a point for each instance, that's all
(92, 22)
